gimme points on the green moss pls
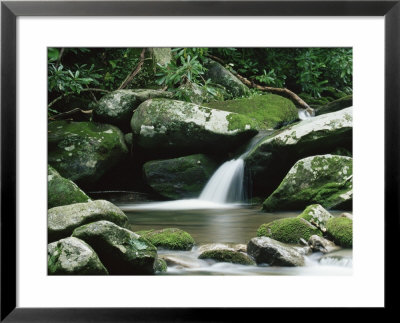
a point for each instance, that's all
(289, 230)
(241, 122)
(169, 238)
(224, 255)
(160, 266)
(268, 110)
(340, 229)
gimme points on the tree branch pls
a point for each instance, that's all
(130, 77)
(71, 93)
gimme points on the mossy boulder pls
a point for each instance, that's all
(325, 179)
(227, 255)
(316, 215)
(182, 177)
(177, 127)
(265, 250)
(336, 105)
(340, 230)
(220, 75)
(62, 191)
(62, 220)
(161, 55)
(268, 110)
(272, 157)
(72, 256)
(117, 107)
(160, 266)
(289, 230)
(84, 151)
(120, 250)
(169, 238)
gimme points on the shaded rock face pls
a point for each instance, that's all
(84, 151)
(120, 250)
(62, 220)
(336, 105)
(72, 256)
(316, 215)
(169, 238)
(177, 127)
(268, 251)
(271, 159)
(220, 75)
(227, 255)
(117, 107)
(340, 230)
(326, 180)
(290, 230)
(62, 191)
(182, 177)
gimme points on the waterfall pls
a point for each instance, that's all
(306, 113)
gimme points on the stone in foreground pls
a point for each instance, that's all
(72, 256)
(340, 230)
(62, 191)
(321, 244)
(120, 250)
(226, 255)
(182, 177)
(316, 215)
(268, 251)
(169, 238)
(326, 180)
(62, 220)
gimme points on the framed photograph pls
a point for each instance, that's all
(160, 158)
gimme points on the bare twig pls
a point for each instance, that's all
(71, 93)
(69, 113)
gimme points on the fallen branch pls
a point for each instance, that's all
(70, 113)
(130, 77)
(72, 93)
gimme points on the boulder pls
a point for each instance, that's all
(288, 230)
(227, 255)
(220, 75)
(268, 251)
(120, 250)
(62, 220)
(238, 247)
(336, 105)
(169, 238)
(117, 107)
(84, 151)
(270, 160)
(316, 215)
(177, 127)
(160, 266)
(340, 230)
(326, 180)
(162, 55)
(321, 244)
(62, 191)
(72, 256)
(178, 178)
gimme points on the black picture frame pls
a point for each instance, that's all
(10, 10)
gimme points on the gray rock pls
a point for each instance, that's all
(272, 252)
(72, 256)
(62, 220)
(227, 255)
(316, 215)
(120, 250)
(321, 244)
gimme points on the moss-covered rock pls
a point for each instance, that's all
(340, 230)
(161, 55)
(269, 251)
(169, 238)
(62, 191)
(160, 266)
(325, 179)
(289, 230)
(162, 125)
(270, 160)
(120, 250)
(268, 110)
(117, 107)
(316, 215)
(226, 255)
(336, 105)
(72, 256)
(182, 177)
(84, 151)
(220, 75)
(62, 220)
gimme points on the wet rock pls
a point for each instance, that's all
(72, 256)
(326, 180)
(226, 255)
(169, 238)
(336, 105)
(84, 151)
(62, 191)
(289, 230)
(340, 230)
(239, 247)
(160, 266)
(182, 177)
(176, 127)
(321, 244)
(62, 220)
(120, 250)
(272, 252)
(316, 215)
